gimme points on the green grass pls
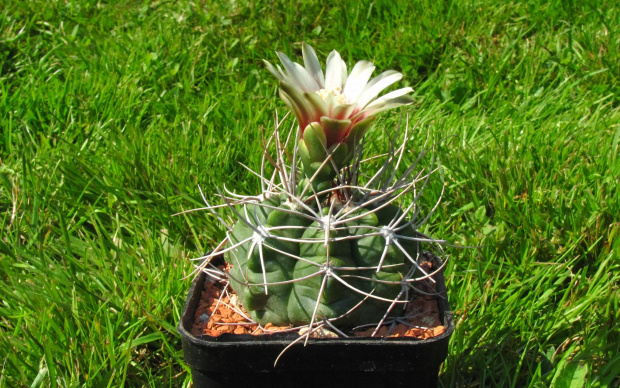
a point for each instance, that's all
(112, 112)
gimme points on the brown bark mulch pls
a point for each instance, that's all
(219, 312)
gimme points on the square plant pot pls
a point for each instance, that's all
(245, 360)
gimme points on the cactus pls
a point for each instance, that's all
(319, 246)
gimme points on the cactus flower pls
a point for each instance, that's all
(334, 109)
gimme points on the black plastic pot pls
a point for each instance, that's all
(248, 361)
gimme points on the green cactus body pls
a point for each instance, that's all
(247, 266)
(303, 266)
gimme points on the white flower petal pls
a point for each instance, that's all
(282, 72)
(298, 110)
(390, 96)
(385, 105)
(358, 79)
(313, 67)
(276, 72)
(333, 74)
(378, 78)
(372, 90)
(308, 79)
(301, 80)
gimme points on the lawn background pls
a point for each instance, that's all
(113, 112)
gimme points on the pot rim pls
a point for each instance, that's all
(284, 339)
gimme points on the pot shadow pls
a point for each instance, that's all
(497, 361)
(506, 359)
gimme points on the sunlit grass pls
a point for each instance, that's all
(112, 113)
